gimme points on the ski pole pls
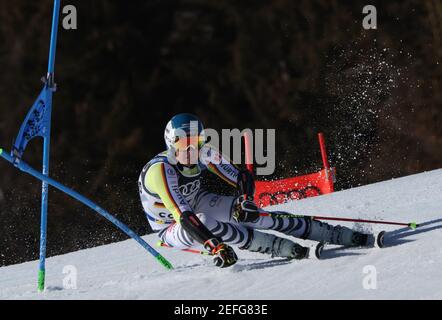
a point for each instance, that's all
(204, 253)
(411, 225)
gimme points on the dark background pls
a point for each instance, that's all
(297, 66)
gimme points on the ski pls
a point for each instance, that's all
(314, 252)
(380, 239)
(319, 249)
(377, 241)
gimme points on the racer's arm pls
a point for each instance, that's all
(245, 208)
(162, 179)
(243, 180)
(220, 166)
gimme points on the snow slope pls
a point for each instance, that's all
(410, 268)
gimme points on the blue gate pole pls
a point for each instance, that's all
(53, 46)
(50, 88)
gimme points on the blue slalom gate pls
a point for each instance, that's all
(38, 124)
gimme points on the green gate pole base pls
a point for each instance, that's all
(41, 280)
(164, 262)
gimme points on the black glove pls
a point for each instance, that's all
(246, 184)
(245, 210)
(223, 255)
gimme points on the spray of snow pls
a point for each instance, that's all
(365, 85)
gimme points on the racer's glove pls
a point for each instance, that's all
(245, 210)
(223, 255)
(246, 184)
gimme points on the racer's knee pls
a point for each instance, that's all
(206, 219)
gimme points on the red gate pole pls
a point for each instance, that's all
(326, 164)
(249, 155)
(323, 151)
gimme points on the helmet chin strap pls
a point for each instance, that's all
(183, 167)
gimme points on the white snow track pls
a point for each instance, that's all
(410, 267)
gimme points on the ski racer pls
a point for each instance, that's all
(186, 215)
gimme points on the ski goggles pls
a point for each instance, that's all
(184, 143)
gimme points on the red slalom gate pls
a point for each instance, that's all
(294, 188)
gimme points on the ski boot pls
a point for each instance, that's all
(338, 235)
(276, 246)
